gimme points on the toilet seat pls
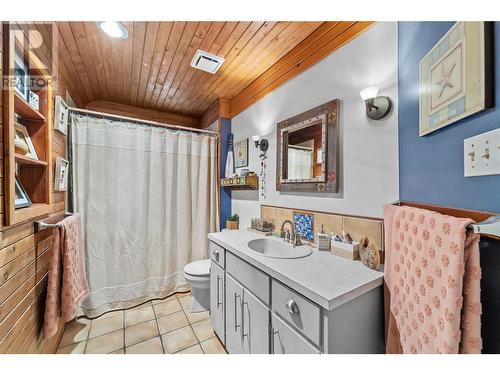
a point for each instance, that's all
(198, 269)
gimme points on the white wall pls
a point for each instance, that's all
(369, 166)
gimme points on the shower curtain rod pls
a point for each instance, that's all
(154, 123)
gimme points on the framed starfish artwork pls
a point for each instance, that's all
(456, 76)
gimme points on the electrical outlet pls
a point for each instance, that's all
(482, 154)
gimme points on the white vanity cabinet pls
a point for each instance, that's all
(217, 298)
(260, 313)
(247, 320)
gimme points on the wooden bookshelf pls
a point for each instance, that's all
(34, 175)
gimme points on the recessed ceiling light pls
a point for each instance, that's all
(114, 29)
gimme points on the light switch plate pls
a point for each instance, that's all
(482, 154)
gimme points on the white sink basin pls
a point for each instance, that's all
(276, 249)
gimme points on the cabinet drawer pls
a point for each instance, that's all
(217, 254)
(302, 314)
(287, 341)
(250, 277)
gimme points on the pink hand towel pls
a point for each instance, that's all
(67, 284)
(433, 275)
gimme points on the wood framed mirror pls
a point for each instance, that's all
(308, 151)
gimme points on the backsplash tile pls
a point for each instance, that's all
(356, 226)
(279, 215)
(329, 222)
(304, 225)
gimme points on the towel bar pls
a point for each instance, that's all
(487, 224)
(489, 227)
(42, 224)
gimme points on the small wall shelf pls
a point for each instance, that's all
(25, 160)
(25, 110)
(34, 175)
(241, 183)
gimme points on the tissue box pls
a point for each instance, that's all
(346, 250)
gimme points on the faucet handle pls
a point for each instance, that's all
(297, 240)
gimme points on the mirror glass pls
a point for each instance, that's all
(303, 147)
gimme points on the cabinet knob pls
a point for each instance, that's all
(291, 306)
(216, 255)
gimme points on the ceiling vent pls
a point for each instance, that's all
(206, 61)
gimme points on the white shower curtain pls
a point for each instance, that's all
(148, 199)
(300, 163)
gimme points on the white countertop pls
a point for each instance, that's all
(324, 278)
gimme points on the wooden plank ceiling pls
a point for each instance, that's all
(151, 68)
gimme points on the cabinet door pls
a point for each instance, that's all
(217, 299)
(255, 325)
(234, 334)
(288, 341)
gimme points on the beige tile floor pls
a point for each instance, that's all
(156, 327)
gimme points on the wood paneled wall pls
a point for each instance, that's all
(220, 108)
(24, 257)
(142, 113)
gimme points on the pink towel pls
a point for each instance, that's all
(67, 283)
(433, 274)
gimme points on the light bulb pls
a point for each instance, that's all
(369, 93)
(255, 138)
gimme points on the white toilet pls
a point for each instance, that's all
(198, 275)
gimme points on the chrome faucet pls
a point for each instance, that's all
(286, 237)
(293, 237)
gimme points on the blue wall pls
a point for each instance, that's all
(431, 167)
(225, 194)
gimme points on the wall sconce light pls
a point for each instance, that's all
(261, 144)
(377, 107)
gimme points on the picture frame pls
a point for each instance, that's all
(241, 153)
(61, 115)
(21, 76)
(22, 199)
(61, 174)
(22, 136)
(455, 76)
(34, 100)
